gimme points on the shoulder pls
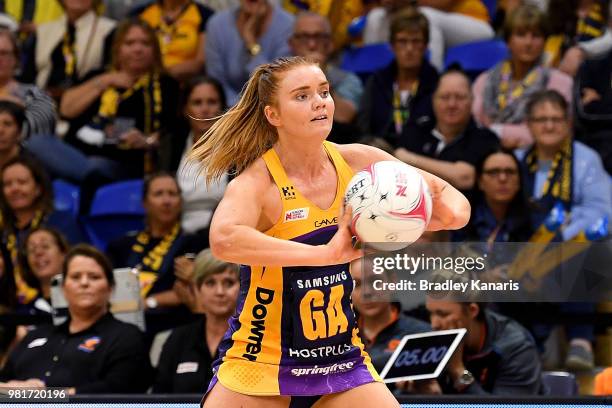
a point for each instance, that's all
(283, 16)
(507, 334)
(480, 80)
(221, 18)
(561, 79)
(141, 8)
(255, 179)
(205, 11)
(107, 23)
(119, 244)
(124, 332)
(185, 334)
(410, 325)
(359, 156)
(585, 153)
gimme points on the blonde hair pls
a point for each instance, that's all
(243, 133)
(207, 265)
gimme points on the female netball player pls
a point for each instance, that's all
(293, 341)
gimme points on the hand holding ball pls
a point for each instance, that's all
(391, 205)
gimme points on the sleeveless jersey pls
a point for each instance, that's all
(294, 331)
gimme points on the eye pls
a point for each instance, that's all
(301, 97)
(325, 94)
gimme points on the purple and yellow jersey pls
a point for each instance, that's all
(294, 331)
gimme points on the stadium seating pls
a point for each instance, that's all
(560, 383)
(116, 210)
(367, 59)
(66, 197)
(476, 57)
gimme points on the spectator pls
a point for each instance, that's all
(500, 212)
(62, 52)
(594, 107)
(204, 101)
(185, 365)
(154, 249)
(498, 356)
(381, 323)
(12, 118)
(26, 203)
(400, 94)
(312, 38)
(44, 252)
(579, 30)
(454, 22)
(378, 20)
(501, 94)
(451, 144)
(241, 38)
(39, 107)
(90, 353)
(559, 170)
(180, 27)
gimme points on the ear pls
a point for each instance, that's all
(473, 310)
(272, 115)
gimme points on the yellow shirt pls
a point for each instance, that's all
(472, 8)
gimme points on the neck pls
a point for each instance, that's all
(547, 152)
(474, 338)
(73, 16)
(309, 160)
(25, 216)
(450, 132)
(498, 209)
(5, 156)
(135, 73)
(521, 69)
(81, 320)
(159, 230)
(45, 288)
(374, 324)
(407, 75)
(171, 5)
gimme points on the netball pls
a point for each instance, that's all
(391, 205)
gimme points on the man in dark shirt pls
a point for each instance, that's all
(108, 357)
(450, 144)
(498, 356)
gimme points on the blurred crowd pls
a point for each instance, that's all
(97, 92)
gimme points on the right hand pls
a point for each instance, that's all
(183, 268)
(186, 293)
(116, 79)
(251, 29)
(589, 95)
(340, 247)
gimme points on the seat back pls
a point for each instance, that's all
(476, 57)
(559, 383)
(365, 60)
(102, 229)
(66, 197)
(124, 197)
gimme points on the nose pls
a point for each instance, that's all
(436, 323)
(318, 102)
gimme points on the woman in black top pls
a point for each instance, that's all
(186, 359)
(92, 352)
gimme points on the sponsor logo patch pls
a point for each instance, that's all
(296, 214)
(187, 367)
(90, 344)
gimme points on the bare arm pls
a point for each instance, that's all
(235, 231)
(451, 210)
(193, 66)
(345, 109)
(460, 174)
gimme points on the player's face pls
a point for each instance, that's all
(304, 108)
(136, 51)
(500, 178)
(445, 315)
(549, 125)
(218, 293)
(526, 46)
(85, 285)
(163, 201)
(45, 257)
(409, 48)
(19, 187)
(452, 101)
(204, 103)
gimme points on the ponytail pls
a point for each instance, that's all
(243, 134)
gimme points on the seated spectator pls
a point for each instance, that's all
(451, 144)
(62, 52)
(579, 30)
(241, 38)
(454, 22)
(180, 27)
(593, 103)
(559, 169)
(27, 203)
(44, 252)
(39, 107)
(312, 38)
(498, 356)
(501, 93)
(90, 353)
(381, 324)
(204, 101)
(500, 212)
(400, 94)
(185, 365)
(12, 119)
(154, 249)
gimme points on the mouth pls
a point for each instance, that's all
(319, 118)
